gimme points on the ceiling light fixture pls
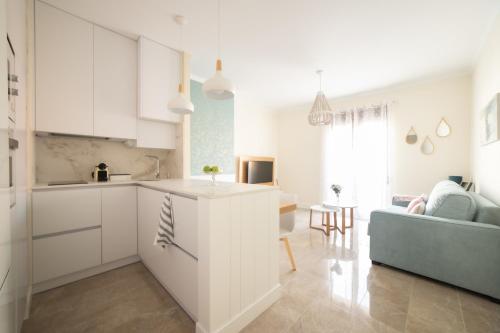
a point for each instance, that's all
(321, 113)
(181, 104)
(218, 87)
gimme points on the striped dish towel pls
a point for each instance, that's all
(165, 234)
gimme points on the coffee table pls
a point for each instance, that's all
(325, 213)
(343, 205)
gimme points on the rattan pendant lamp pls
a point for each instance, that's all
(218, 87)
(181, 104)
(321, 113)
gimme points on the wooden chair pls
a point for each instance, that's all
(287, 224)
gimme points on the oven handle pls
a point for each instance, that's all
(13, 144)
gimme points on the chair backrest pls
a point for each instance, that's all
(287, 221)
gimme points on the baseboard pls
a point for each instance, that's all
(60, 281)
(247, 315)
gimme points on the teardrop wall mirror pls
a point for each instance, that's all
(443, 129)
(427, 146)
(411, 136)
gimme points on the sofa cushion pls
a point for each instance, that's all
(487, 211)
(418, 209)
(449, 200)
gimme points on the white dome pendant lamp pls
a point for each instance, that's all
(321, 113)
(218, 87)
(181, 104)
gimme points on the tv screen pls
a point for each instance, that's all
(260, 172)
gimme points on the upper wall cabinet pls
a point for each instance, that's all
(115, 85)
(159, 74)
(63, 72)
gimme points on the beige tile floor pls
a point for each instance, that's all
(335, 289)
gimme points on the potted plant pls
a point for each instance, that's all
(336, 189)
(212, 170)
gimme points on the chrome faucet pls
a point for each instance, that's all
(157, 172)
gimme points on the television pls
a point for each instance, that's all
(260, 172)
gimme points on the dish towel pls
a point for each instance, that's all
(165, 234)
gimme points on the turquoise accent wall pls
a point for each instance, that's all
(212, 132)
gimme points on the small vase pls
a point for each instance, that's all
(213, 179)
(338, 197)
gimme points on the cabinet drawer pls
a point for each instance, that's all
(63, 210)
(64, 254)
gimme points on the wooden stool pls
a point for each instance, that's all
(325, 211)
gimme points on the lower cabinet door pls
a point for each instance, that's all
(119, 223)
(176, 270)
(56, 256)
(183, 278)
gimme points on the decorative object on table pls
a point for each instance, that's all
(181, 103)
(456, 179)
(212, 170)
(411, 136)
(467, 185)
(101, 172)
(218, 87)
(443, 129)
(427, 146)
(336, 189)
(321, 113)
(490, 122)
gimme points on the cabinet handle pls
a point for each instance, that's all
(13, 92)
(13, 78)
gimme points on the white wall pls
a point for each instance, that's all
(419, 104)
(486, 83)
(254, 129)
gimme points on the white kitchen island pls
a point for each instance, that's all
(224, 271)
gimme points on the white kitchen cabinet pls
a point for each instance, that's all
(66, 209)
(71, 252)
(186, 223)
(159, 76)
(175, 269)
(63, 72)
(155, 134)
(119, 223)
(115, 85)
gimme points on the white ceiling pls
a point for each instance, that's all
(271, 48)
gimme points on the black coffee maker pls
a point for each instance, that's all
(101, 173)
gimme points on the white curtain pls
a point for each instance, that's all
(355, 153)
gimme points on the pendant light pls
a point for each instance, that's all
(181, 104)
(321, 113)
(218, 87)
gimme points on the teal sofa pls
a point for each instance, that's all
(456, 241)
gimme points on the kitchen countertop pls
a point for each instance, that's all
(187, 187)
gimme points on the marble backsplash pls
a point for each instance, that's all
(72, 158)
